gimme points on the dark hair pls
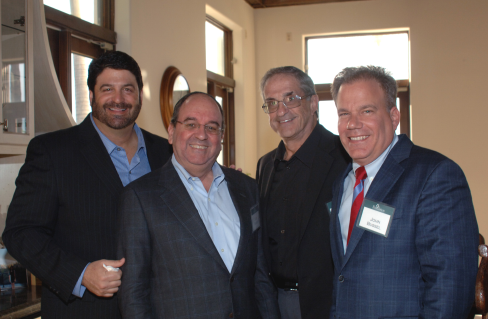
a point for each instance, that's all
(306, 83)
(176, 110)
(116, 60)
(370, 72)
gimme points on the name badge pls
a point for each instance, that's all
(375, 217)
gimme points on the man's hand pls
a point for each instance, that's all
(99, 280)
(234, 167)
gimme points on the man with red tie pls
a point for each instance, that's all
(403, 228)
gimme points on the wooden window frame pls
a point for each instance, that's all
(69, 34)
(227, 83)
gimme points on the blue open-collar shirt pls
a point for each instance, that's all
(216, 209)
(128, 172)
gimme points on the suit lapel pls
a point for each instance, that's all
(96, 155)
(179, 202)
(336, 240)
(241, 203)
(155, 155)
(382, 185)
(321, 164)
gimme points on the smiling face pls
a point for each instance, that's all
(366, 127)
(116, 101)
(291, 124)
(196, 150)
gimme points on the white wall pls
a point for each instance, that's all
(159, 34)
(449, 46)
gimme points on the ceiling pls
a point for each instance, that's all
(282, 3)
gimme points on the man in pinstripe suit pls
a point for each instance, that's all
(61, 222)
(190, 231)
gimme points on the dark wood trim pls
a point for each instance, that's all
(108, 14)
(230, 130)
(65, 65)
(221, 80)
(78, 26)
(85, 48)
(166, 102)
(53, 37)
(404, 98)
(229, 138)
(257, 4)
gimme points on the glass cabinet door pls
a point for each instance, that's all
(16, 116)
(14, 106)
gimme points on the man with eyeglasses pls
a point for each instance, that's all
(190, 231)
(295, 182)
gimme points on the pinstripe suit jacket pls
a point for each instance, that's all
(173, 269)
(427, 266)
(63, 215)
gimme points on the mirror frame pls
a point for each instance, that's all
(166, 94)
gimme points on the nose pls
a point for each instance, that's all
(282, 109)
(200, 133)
(117, 96)
(354, 122)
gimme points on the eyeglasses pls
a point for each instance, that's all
(211, 128)
(290, 102)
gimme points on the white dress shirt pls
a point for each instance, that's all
(347, 196)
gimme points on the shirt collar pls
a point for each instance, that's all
(305, 152)
(110, 146)
(218, 174)
(373, 167)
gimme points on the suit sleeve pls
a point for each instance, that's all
(31, 222)
(447, 241)
(134, 244)
(266, 293)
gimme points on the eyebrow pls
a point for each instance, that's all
(286, 94)
(111, 85)
(194, 119)
(360, 108)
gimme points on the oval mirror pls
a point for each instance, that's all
(173, 87)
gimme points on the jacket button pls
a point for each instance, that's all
(232, 279)
(231, 315)
(341, 278)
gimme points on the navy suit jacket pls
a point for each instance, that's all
(427, 266)
(63, 215)
(173, 269)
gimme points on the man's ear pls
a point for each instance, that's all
(91, 98)
(314, 103)
(140, 97)
(395, 117)
(171, 130)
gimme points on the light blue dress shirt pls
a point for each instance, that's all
(128, 172)
(347, 196)
(216, 209)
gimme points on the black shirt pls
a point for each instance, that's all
(284, 218)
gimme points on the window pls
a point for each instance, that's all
(327, 56)
(220, 82)
(78, 32)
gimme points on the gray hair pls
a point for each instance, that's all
(176, 110)
(306, 83)
(370, 72)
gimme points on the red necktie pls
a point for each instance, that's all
(357, 200)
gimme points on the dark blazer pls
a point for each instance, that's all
(427, 266)
(314, 258)
(173, 269)
(63, 215)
